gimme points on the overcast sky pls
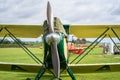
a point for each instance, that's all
(69, 11)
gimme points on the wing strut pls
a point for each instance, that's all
(114, 42)
(3, 39)
(84, 54)
(115, 33)
(24, 47)
(97, 42)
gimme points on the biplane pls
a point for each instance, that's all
(55, 45)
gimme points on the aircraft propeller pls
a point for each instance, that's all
(53, 39)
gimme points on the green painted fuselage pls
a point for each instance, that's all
(61, 51)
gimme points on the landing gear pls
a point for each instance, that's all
(43, 69)
(28, 79)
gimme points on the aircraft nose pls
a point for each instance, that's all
(52, 37)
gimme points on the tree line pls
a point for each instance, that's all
(12, 44)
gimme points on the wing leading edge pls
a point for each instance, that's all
(23, 31)
(93, 31)
(82, 31)
(76, 68)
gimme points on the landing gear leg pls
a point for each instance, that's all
(70, 73)
(40, 73)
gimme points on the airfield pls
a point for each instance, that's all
(96, 61)
(96, 56)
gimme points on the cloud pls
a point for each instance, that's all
(69, 11)
(92, 13)
(21, 11)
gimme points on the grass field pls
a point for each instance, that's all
(17, 55)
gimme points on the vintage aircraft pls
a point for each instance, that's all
(75, 50)
(55, 45)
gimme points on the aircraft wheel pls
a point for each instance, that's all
(28, 79)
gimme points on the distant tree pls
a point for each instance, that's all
(78, 41)
(0, 41)
(5, 41)
(14, 42)
(83, 41)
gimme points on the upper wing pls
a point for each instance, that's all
(93, 31)
(24, 31)
(82, 31)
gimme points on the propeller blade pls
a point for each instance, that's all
(50, 18)
(54, 50)
(55, 59)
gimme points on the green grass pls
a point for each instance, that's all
(96, 56)
(17, 55)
